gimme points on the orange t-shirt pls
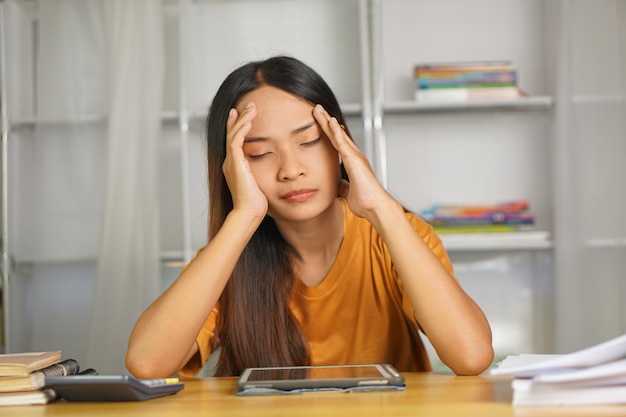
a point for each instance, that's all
(360, 313)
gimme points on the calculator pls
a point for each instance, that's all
(110, 388)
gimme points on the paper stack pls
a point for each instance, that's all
(591, 376)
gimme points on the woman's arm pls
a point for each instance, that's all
(454, 324)
(163, 339)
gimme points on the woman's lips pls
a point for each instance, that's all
(298, 195)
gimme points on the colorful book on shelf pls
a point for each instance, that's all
(478, 209)
(507, 218)
(467, 94)
(489, 228)
(511, 216)
(466, 74)
(466, 81)
(459, 66)
(470, 79)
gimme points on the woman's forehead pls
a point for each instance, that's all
(278, 112)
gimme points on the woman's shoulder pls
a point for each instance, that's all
(425, 230)
(419, 224)
(359, 226)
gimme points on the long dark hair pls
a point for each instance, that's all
(255, 326)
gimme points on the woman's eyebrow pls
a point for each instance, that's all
(293, 132)
(303, 128)
(251, 140)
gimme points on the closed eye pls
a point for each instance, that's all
(312, 142)
(256, 149)
(258, 155)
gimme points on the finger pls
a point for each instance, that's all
(232, 118)
(239, 124)
(339, 134)
(230, 124)
(336, 133)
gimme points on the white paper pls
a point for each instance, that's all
(530, 365)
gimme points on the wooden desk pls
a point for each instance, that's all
(429, 395)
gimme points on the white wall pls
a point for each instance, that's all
(432, 157)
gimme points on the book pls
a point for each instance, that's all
(31, 382)
(463, 66)
(28, 397)
(467, 94)
(466, 81)
(482, 228)
(507, 217)
(22, 364)
(37, 379)
(590, 376)
(478, 209)
(514, 218)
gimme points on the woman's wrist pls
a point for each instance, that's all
(244, 220)
(386, 215)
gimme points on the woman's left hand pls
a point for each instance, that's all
(364, 192)
(455, 325)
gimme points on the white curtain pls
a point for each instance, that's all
(55, 66)
(63, 173)
(83, 207)
(127, 278)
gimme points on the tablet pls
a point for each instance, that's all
(108, 388)
(314, 378)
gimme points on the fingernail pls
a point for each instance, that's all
(319, 108)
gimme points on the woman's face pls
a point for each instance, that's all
(293, 162)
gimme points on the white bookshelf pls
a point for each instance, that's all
(476, 151)
(530, 103)
(169, 116)
(515, 241)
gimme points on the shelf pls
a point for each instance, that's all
(519, 104)
(165, 257)
(170, 116)
(349, 109)
(605, 243)
(534, 240)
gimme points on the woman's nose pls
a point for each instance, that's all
(291, 167)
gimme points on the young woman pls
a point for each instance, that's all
(302, 266)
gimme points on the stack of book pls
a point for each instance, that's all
(23, 376)
(466, 81)
(512, 216)
(591, 376)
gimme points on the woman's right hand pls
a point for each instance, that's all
(247, 196)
